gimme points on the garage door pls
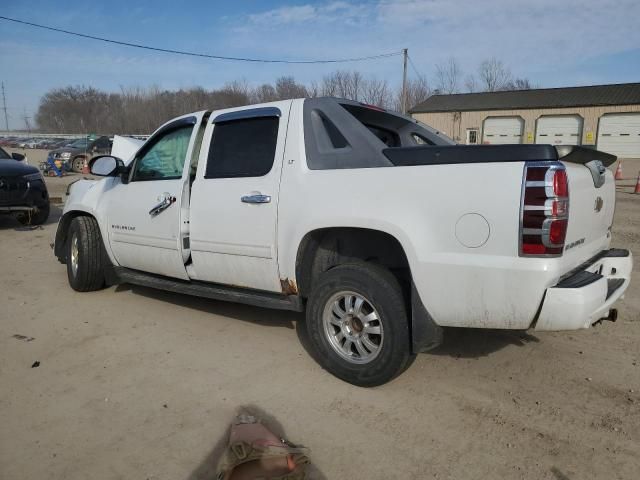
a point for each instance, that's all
(559, 129)
(619, 134)
(502, 130)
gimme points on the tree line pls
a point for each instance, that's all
(138, 110)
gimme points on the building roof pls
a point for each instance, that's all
(619, 94)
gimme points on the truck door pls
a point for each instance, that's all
(148, 216)
(234, 200)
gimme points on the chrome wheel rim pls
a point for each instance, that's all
(74, 254)
(353, 327)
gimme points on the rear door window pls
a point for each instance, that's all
(243, 148)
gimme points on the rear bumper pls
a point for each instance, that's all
(587, 295)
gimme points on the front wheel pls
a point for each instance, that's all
(357, 322)
(85, 264)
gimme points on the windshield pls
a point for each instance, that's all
(4, 155)
(82, 143)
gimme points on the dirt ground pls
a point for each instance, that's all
(136, 383)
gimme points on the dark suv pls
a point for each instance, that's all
(23, 192)
(74, 155)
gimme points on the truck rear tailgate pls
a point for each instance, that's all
(591, 204)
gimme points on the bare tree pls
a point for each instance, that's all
(471, 84)
(140, 110)
(493, 75)
(448, 75)
(342, 83)
(519, 84)
(286, 88)
(265, 93)
(418, 91)
(376, 92)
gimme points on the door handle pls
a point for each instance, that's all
(256, 198)
(166, 201)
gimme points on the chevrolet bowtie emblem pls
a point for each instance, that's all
(599, 204)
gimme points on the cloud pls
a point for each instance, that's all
(536, 37)
(324, 13)
(285, 15)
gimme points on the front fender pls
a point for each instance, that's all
(84, 198)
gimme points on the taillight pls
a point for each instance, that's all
(544, 209)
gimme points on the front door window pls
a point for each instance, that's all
(164, 160)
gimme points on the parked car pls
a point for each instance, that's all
(22, 142)
(12, 142)
(23, 192)
(76, 152)
(382, 229)
(32, 143)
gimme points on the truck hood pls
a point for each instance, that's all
(125, 148)
(67, 149)
(14, 168)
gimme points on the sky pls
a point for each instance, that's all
(551, 42)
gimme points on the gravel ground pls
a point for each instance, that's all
(137, 383)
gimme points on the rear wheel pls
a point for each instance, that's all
(85, 263)
(357, 322)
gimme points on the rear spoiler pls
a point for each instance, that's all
(461, 154)
(583, 155)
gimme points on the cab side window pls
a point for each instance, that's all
(243, 148)
(164, 160)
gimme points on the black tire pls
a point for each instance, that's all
(77, 164)
(87, 274)
(382, 291)
(38, 218)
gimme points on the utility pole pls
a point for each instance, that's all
(4, 103)
(26, 120)
(405, 54)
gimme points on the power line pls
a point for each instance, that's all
(414, 68)
(195, 54)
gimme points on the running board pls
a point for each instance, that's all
(214, 291)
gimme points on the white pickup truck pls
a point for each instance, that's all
(382, 229)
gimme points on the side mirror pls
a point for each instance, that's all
(17, 156)
(106, 166)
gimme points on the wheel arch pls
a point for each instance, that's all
(61, 233)
(324, 248)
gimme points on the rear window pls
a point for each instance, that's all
(391, 129)
(243, 148)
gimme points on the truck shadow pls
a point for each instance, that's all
(458, 342)
(237, 311)
(478, 342)
(207, 468)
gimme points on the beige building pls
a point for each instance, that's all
(606, 117)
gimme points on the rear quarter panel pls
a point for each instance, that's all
(486, 286)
